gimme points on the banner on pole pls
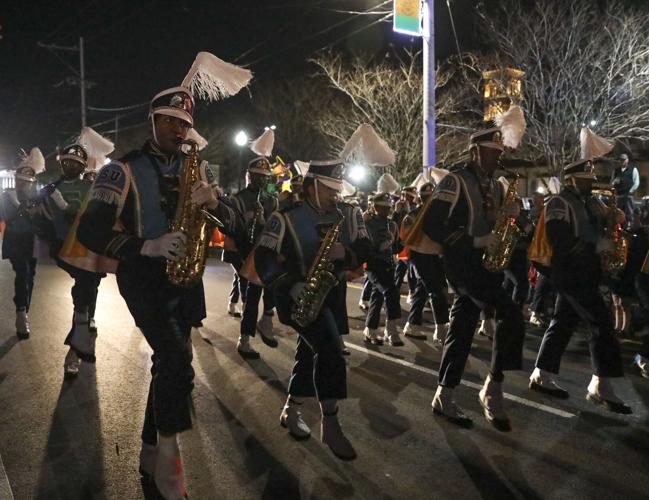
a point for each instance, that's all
(407, 17)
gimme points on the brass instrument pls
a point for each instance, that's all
(507, 233)
(319, 281)
(614, 260)
(191, 220)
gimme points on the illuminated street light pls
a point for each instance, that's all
(357, 173)
(241, 139)
(593, 123)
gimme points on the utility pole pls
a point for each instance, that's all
(82, 82)
(429, 155)
(81, 73)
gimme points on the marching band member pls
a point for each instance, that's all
(460, 218)
(141, 192)
(56, 217)
(290, 244)
(431, 281)
(403, 268)
(574, 223)
(253, 205)
(18, 237)
(380, 272)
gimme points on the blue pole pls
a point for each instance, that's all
(429, 83)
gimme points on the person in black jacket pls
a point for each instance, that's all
(574, 225)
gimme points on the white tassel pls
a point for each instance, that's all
(302, 167)
(264, 144)
(193, 135)
(436, 174)
(97, 146)
(387, 184)
(348, 189)
(592, 145)
(512, 126)
(366, 147)
(554, 185)
(212, 79)
(34, 160)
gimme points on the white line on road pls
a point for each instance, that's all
(473, 385)
(5, 488)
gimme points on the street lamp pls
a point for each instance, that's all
(241, 140)
(357, 173)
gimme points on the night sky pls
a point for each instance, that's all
(136, 48)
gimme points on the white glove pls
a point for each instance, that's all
(204, 194)
(604, 245)
(170, 246)
(337, 252)
(488, 241)
(57, 198)
(296, 290)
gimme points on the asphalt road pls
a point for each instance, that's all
(80, 439)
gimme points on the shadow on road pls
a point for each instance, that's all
(7, 345)
(73, 463)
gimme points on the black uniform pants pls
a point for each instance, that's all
(251, 309)
(367, 290)
(239, 286)
(573, 304)
(383, 290)
(25, 269)
(319, 368)
(507, 348)
(516, 281)
(84, 289)
(431, 283)
(164, 314)
(542, 291)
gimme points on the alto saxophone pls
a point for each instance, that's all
(615, 259)
(191, 220)
(507, 233)
(319, 281)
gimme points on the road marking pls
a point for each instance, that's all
(472, 385)
(5, 488)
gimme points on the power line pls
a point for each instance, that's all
(450, 14)
(115, 110)
(315, 35)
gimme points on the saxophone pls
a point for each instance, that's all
(190, 219)
(319, 281)
(613, 260)
(507, 233)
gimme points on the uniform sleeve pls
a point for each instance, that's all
(274, 254)
(96, 226)
(445, 197)
(273, 234)
(229, 217)
(565, 245)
